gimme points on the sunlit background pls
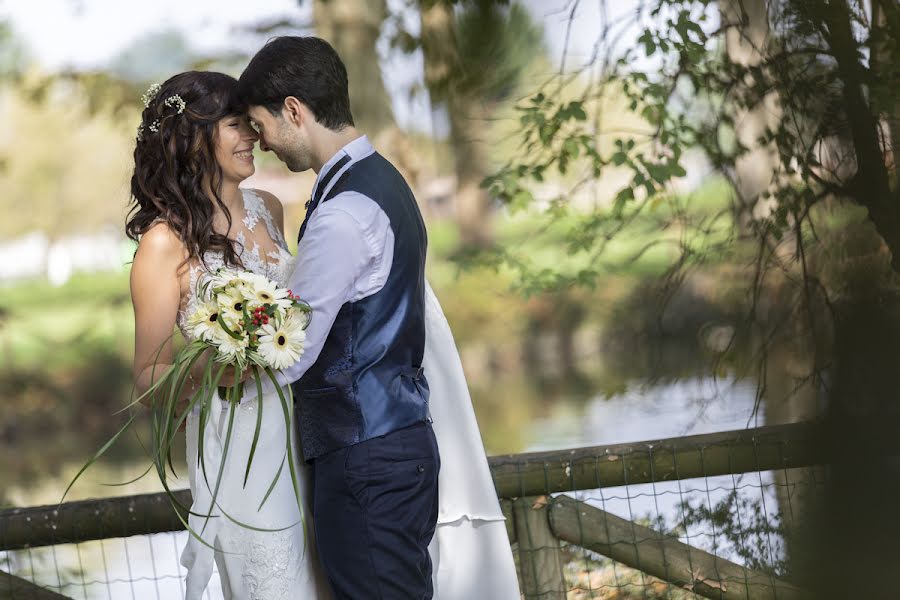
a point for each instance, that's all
(674, 311)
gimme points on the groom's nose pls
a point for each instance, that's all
(262, 143)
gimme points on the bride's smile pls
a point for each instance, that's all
(234, 147)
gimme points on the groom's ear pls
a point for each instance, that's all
(293, 110)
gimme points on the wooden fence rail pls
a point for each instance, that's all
(515, 476)
(662, 556)
(16, 588)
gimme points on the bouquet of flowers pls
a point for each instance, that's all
(237, 321)
(247, 320)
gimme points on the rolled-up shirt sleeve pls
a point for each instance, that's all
(332, 256)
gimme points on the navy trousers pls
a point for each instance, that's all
(375, 507)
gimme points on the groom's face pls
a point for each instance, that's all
(281, 137)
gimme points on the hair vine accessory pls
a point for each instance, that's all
(153, 127)
(176, 101)
(150, 94)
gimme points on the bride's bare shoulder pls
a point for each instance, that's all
(160, 245)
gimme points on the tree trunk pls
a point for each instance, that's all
(353, 28)
(862, 526)
(886, 14)
(862, 510)
(467, 121)
(753, 171)
(870, 187)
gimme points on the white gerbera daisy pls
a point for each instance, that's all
(263, 291)
(282, 346)
(231, 305)
(202, 321)
(230, 280)
(229, 347)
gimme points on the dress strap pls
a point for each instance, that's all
(255, 209)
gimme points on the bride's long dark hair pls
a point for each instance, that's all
(175, 156)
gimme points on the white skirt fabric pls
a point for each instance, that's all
(470, 551)
(275, 561)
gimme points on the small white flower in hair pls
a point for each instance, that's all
(154, 126)
(150, 94)
(176, 101)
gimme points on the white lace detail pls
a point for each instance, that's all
(272, 564)
(256, 209)
(250, 219)
(274, 264)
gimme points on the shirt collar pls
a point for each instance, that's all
(356, 150)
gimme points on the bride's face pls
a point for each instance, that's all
(234, 148)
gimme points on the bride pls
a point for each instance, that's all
(195, 146)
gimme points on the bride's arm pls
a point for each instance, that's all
(156, 296)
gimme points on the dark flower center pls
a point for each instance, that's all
(213, 317)
(238, 306)
(281, 340)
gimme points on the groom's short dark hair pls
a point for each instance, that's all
(307, 68)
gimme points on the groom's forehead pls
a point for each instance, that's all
(259, 113)
(263, 118)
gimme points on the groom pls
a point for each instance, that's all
(361, 394)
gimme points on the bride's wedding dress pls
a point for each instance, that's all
(470, 551)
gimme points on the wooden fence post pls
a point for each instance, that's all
(540, 558)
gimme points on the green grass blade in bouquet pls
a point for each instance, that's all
(259, 413)
(233, 400)
(97, 456)
(287, 407)
(156, 385)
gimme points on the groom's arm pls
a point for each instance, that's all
(340, 259)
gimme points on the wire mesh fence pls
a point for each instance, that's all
(722, 536)
(718, 515)
(139, 567)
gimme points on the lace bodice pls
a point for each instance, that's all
(273, 264)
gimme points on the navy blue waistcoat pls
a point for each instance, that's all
(368, 379)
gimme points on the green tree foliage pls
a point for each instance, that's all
(830, 71)
(12, 54)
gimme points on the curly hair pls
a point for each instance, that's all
(175, 161)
